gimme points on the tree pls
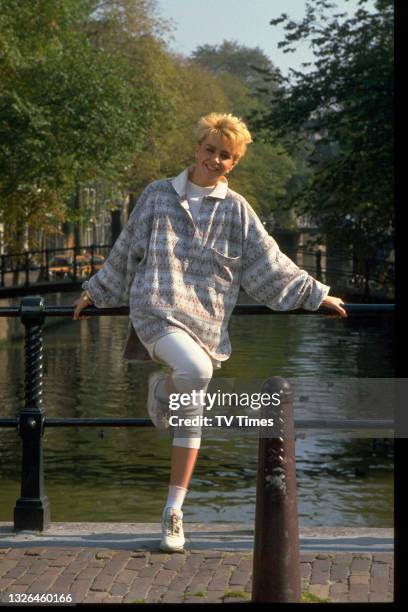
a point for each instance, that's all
(180, 90)
(184, 92)
(69, 110)
(248, 64)
(344, 104)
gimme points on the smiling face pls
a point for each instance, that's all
(215, 157)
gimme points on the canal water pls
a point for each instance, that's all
(121, 474)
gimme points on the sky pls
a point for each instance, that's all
(199, 22)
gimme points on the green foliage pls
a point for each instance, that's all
(179, 91)
(247, 64)
(308, 597)
(70, 111)
(262, 178)
(91, 95)
(344, 105)
(242, 594)
(186, 92)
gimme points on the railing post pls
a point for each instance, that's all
(27, 268)
(319, 265)
(367, 279)
(3, 270)
(75, 264)
(32, 510)
(92, 259)
(276, 561)
(47, 265)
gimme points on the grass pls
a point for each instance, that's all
(242, 594)
(307, 597)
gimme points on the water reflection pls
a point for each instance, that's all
(122, 475)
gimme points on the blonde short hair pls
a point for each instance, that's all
(225, 125)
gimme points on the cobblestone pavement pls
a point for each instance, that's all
(123, 576)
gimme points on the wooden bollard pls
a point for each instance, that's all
(276, 561)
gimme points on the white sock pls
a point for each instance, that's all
(175, 497)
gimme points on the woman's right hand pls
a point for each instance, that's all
(336, 304)
(82, 302)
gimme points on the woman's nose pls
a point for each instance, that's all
(216, 158)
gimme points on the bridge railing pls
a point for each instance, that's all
(365, 276)
(71, 263)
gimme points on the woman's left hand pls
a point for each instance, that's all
(336, 304)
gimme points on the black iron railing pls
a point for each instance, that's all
(67, 263)
(367, 276)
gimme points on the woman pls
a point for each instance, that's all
(189, 244)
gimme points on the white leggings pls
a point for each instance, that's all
(191, 369)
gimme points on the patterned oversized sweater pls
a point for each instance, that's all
(175, 273)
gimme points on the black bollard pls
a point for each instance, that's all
(276, 563)
(32, 510)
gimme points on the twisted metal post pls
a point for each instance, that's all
(32, 508)
(276, 561)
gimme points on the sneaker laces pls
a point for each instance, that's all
(174, 525)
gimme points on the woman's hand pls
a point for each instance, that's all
(336, 304)
(82, 302)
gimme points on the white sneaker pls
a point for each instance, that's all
(159, 411)
(172, 530)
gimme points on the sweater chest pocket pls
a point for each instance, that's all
(226, 270)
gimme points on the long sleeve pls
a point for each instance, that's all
(110, 286)
(269, 276)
